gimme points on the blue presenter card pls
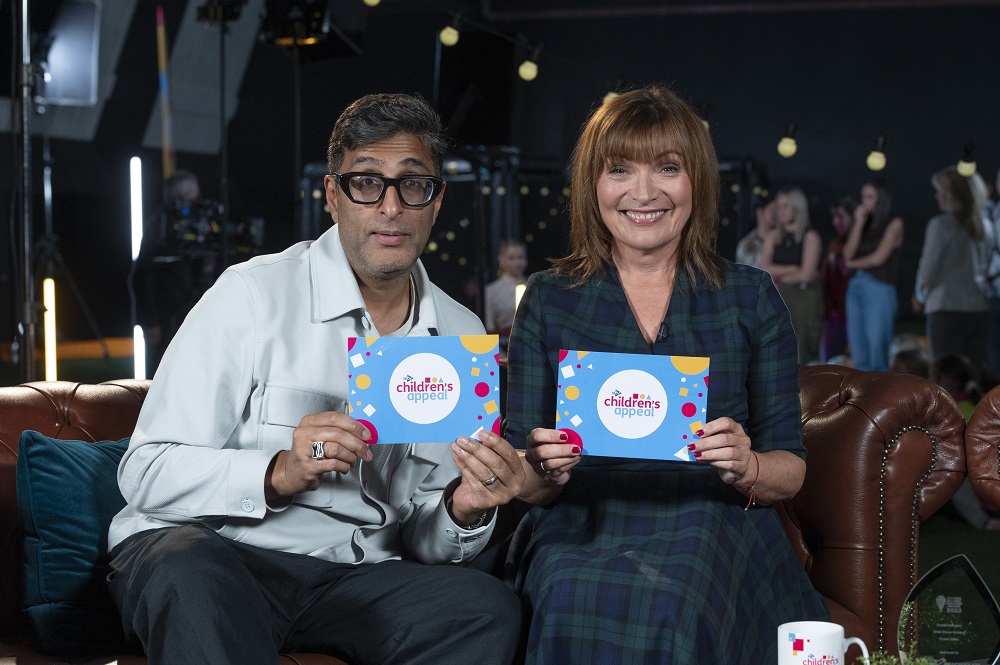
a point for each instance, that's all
(632, 405)
(424, 389)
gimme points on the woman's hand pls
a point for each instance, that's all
(549, 461)
(725, 445)
(765, 477)
(550, 456)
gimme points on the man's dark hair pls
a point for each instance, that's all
(375, 118)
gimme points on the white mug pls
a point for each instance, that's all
(814, 643)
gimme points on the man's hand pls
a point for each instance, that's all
(491, 476)
(296, 470)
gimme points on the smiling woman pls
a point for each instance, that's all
(692, 546)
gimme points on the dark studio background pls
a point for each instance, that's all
(923, 73)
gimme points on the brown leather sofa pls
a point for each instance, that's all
(982, 447)
(885, 452)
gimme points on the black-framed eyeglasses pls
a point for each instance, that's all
(414, 190)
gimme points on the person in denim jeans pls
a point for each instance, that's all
(872, 251)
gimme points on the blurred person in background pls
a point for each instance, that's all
(833, 274)
(951, 287)
(872, 252)
(749, 246)
(791, 254)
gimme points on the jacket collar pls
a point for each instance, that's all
(335, 291)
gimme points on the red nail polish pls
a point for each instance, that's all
(576, 450)
(700, 432)
(562, 436)
(691, 446)
(697, 454)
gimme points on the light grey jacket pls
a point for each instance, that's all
(946, 274)
(265, 346)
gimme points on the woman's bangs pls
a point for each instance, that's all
(640, 143)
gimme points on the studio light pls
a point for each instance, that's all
(49, 326)
(135, 187)
(876, 158)
(518, 292)
(787, 147)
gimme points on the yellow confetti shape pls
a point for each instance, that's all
(683, 392)
(475, 371)
(695, 426)
(491, 406)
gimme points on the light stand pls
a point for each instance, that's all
(222, 12)
(27, 328)
(49, 260)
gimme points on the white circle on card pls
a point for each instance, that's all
(632, 404)
(424, 388)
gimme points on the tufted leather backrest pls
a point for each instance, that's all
(885, 451)
(982, 447)
(61, 410)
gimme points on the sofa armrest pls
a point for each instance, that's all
(982, 447)
(885, 451)
(61, 410)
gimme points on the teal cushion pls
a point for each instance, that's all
(67, 493)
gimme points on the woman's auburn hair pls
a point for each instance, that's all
(640, 125)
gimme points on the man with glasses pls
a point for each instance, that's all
(259, 520)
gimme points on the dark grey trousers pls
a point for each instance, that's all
(192, 596)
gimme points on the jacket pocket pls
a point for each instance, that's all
(282, 409)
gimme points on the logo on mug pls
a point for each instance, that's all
(799, 647)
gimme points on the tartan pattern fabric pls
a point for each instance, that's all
(657, 562)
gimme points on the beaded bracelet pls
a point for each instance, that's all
(753, 485)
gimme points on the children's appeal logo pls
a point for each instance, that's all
(798, 644)
(632, 404)
(424, 388)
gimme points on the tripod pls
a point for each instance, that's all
(48, 259)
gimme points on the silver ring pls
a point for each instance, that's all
(490, 481)
(317, 450)
(542, 465)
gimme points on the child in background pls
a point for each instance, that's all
(954, 373)
(499, 294)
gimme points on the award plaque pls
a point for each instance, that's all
(951, 616)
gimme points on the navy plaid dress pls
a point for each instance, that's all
(658, 562)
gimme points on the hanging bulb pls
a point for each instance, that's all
(449, 33)
(372, 3)
(967, 165)
(876, 158)
(787, 147)
(448, 36)
(609, 96)
(529, 68)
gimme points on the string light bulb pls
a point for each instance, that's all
(528, 70)
(967, 165)
(787, 147)
(449, 33)
(372, 3)
(609, 96)
(876, 158)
